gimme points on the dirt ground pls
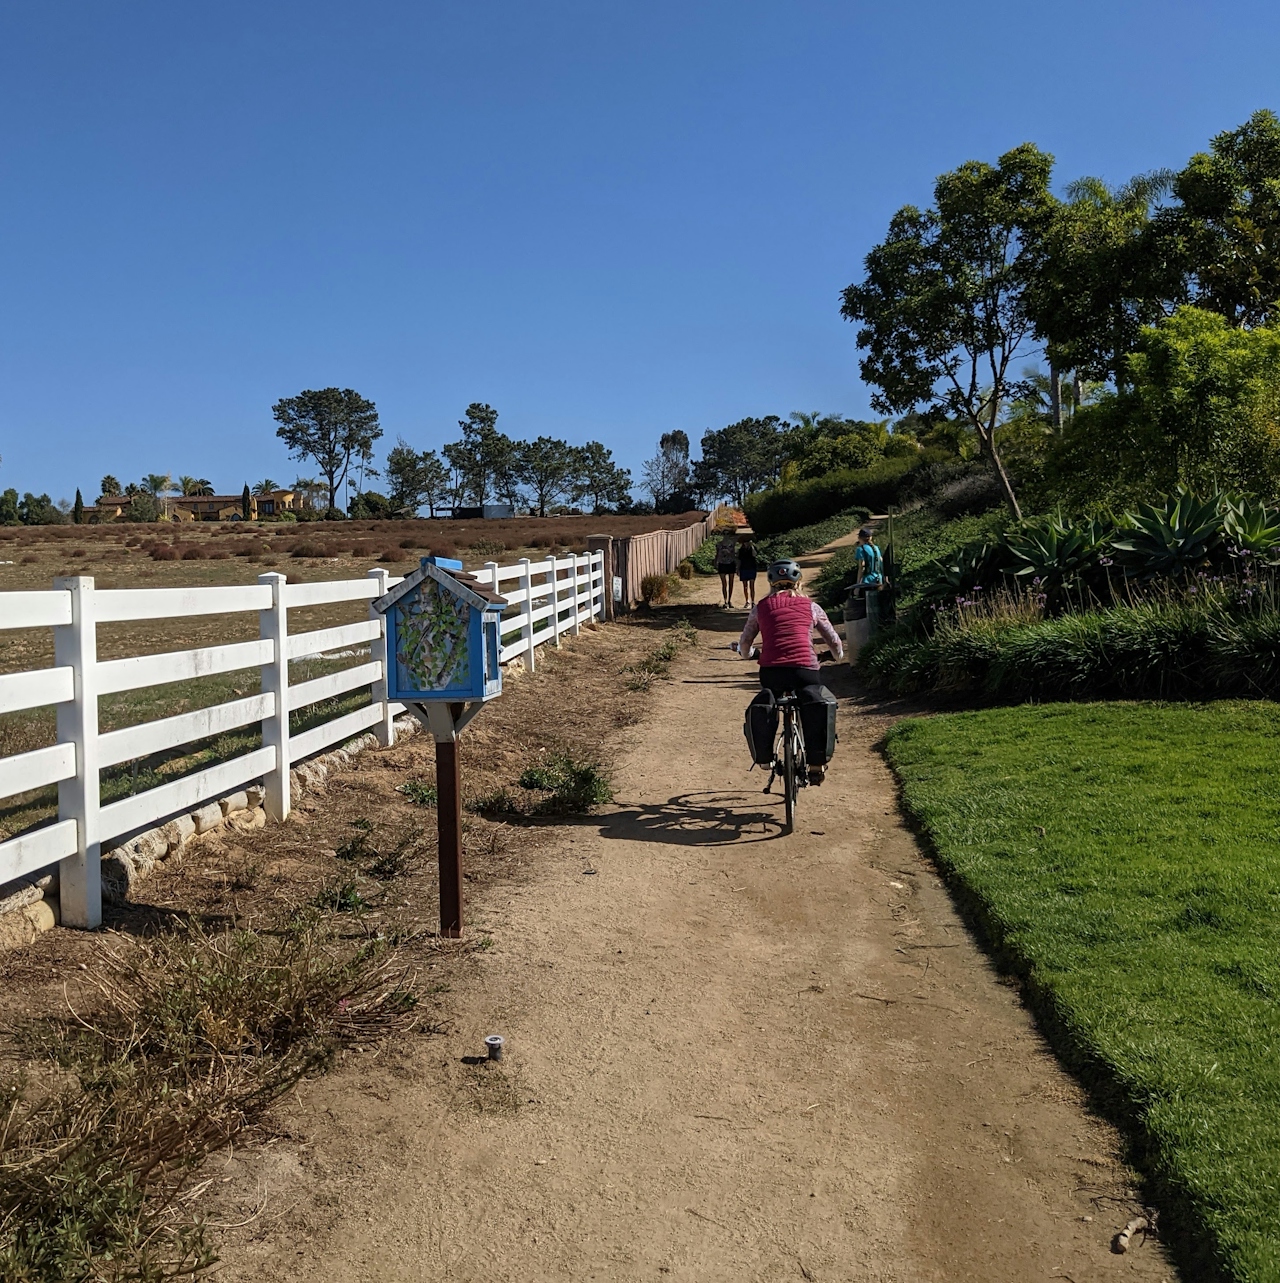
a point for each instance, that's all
(730, 1054)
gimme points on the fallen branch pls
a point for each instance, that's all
(1120, 1243)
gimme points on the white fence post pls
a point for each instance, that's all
(526, 582)
(273, 623)
(75, 645)
(577, 621)
(555, 601)
(385, 728)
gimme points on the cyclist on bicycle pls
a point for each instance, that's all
(785, 621)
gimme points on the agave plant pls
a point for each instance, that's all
(1172, 541)
(1054, 556)
(976, 565)
(1252, 529)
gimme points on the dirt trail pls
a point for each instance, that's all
(731, 1056)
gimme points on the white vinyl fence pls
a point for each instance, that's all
(547, 600)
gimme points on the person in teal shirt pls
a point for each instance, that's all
(868, 560)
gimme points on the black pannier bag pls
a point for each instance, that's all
(760, 726)
(818, 724)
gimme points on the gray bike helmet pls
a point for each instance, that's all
(783, 572)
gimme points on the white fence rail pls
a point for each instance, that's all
(546, 600)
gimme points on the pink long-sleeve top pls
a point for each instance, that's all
(785, 623)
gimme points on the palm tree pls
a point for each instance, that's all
(157, 483)
(310, 489)
(193, 487)
(265, 486)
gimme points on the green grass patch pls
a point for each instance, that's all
(795, 543)
(1125, 858)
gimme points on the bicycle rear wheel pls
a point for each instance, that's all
(789, 786)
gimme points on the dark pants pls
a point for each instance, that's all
(782, 680)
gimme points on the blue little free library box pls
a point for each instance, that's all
(443, 635)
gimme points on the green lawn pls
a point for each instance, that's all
(1126, 859)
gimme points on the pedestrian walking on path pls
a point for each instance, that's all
(727, 564)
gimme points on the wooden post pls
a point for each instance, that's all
(274, 623)
(603, 544)
(385, 727)
(449, 828)
(526, 582)
(75, 646)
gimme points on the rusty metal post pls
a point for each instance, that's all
(449, 829)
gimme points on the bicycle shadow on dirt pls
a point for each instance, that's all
(713, 818)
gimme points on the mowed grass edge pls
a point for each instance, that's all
(1125, 860)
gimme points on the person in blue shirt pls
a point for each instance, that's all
(868, 560)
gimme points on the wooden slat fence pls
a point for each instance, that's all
(657, 553)
(547, 600)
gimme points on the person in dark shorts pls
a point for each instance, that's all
(748, 569)
(727, 563)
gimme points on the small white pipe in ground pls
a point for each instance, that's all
(494, 1044)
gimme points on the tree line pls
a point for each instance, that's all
(1154, 304)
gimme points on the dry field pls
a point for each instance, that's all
(126, 555)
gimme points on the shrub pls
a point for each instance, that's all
(874, 488)
(655, 589)
(193, 553)
(165, 552)
(685, 569)
(308, 548)
(704, 559)
(443, 548)
(1212, 641)
(487, 547)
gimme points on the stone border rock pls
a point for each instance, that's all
(31, 906)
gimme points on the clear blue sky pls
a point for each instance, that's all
(606, 219)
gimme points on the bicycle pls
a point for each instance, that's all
(789, 759)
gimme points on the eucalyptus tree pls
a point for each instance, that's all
(942, 307)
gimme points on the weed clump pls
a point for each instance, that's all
(497, 802)
(656, 664)
(340, 897)
(420, 792)
(573, 786)
(197, 1034)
